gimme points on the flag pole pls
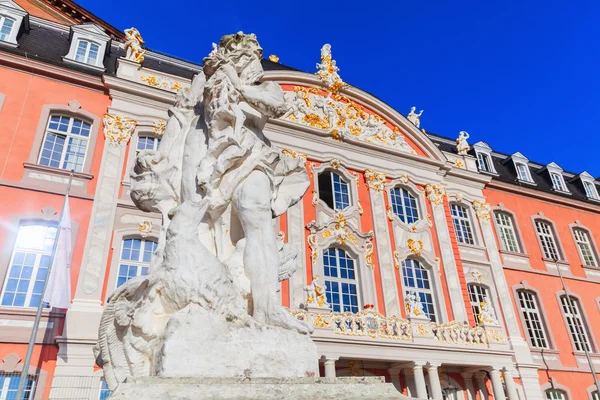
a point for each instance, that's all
(579, 331)
(38, 315)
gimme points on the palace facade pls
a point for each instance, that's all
(422, 259)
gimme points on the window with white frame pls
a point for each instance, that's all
(404, 205)
(547, 238)
(65, 143)
(554, 394)
(9, 386)
(484, 162)
(533, 319)
(104, 390)
(29, 264)
(334, 190)
(416, 279)
(523, 172)
(6, 27)
(590, 190)
(575, 323)
(340, 279)
(136, 255)
(477, 295)
(557, 182)
(87, 52)
(508, 235)
(147, 143)
(462, 224)
(595, 395)
(584, 244)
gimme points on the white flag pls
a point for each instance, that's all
(58, 292)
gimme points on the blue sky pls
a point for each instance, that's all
(520, 75)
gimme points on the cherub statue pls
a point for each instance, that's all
(461, 143)
(133, 45)
(316, 293)
(414, 307)
(487, 314)
(414, 117)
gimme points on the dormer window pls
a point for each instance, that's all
(521, 164)
(87, 52)
(484, 157)
(587, 180)
(557, 182)
(522, 171)
(6, 27)
(484, 162)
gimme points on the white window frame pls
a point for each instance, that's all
(538, 335)
(506, 228)
(522, 174)
(68, 135)
(88, 48)
(589, 186)
(476, 297)
(4, 389)
(519, 160)
(585, 246)
(547, 239)
(575, 323)
(38, 253)
(425, 291)
(555, 394)
(341, 281)
(155, 142)
(595, 395)
(558, 182)
(484, 162)
(343, 182)
(400, 210)
(10, 9)
(91, 33)
(482, 149)
(140, 264)
(3, 19)
(463, 221)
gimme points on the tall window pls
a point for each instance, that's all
(584, 243)
(135, 259)
(6, 26)
(484, 162)
(553, 394)
(65, 143)
(28, 265)
(87, 52)
(522, 172)
(506, 228)
(547, 240)
(340, 279)
(104, 390)
(533, 320)
(462, 224)
(477, 294)
(575, 323)
(147, 143)
(334, 191)
(404, 205)
(416, 279)
(9, 386)
(557, 182)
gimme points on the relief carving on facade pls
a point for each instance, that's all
(435, 194)
(316, 294)
(158, 127)
(375, 180)
(118, 129)
(482, 210)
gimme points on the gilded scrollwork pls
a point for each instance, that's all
(118, 129)
(375, 180)
(159, 127)
(415, 246)
(435, 193)
(482, 210)
(162, 83)
(145, 228)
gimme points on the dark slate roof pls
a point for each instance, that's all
(507, 173)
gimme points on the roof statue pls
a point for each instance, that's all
(414, 117)
(328, 71)
(218, 183)
(133, 45)
(462, 146)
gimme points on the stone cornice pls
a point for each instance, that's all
(41, 68)
(138, 92)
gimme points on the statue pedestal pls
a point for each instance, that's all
(161, 388)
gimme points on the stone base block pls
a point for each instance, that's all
(162, 388)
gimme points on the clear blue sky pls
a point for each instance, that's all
(520, 75)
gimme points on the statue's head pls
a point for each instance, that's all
(413, 109)
(242, 51)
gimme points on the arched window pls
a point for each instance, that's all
(416, 279)
(334, 191)
(506, 229)
(462, 224)
(29, 265)
(477, 295)
(577, 328)
(533, 320)
(136, 255)
(404, 205)
(340, 279)
(547, 238)
(555, 394)
(584, 244)
(65, 143)
(147, 143)
(9, 385)
(87, 52)
(6, 27)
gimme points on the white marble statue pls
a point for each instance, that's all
(414, 307)
(487, 315)
(133, 45)
(462, 146)
(316, 294)
(414, 117)
(214, 279)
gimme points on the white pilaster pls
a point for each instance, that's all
(419, 377)
(468, 380)
(481, 388)
(531, 382)
(295, 228)
(395, 378)
(497, 384)
(434, 381)
(511, 389)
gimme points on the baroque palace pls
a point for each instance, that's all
(454, 271)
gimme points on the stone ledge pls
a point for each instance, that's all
(188, 388)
